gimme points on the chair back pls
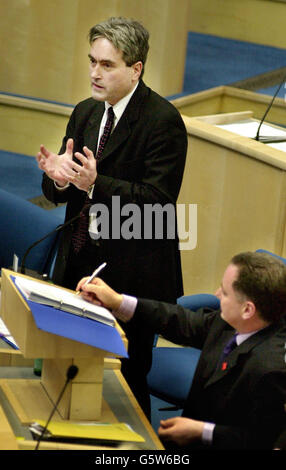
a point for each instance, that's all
(23, 223)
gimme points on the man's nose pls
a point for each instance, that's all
(95, 71)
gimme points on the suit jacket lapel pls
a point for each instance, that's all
(124, 126)
(120, 133)
(233, 357)
(118, 136)
(92, 128)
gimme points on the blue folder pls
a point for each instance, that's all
(77, 328)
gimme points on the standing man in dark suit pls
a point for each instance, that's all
(236, 401)
(140, 164)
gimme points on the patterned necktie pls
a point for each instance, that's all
(106, 132)
(80, 234)
(230, 345)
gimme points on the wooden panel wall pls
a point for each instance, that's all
(258, 21)
(240, 196)
(44, 45)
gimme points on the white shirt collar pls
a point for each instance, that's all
(121, 105)
(241, 337)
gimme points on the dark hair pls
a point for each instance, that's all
(126, 35)
(262, 279)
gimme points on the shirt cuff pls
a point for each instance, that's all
(127, 308)
(61, 188)
(208, 430)
(90, 191)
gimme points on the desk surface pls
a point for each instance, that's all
(120, 406)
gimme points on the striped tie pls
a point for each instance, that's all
(80, 234)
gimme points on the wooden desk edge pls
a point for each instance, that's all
(139, 411)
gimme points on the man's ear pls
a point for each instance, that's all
(137, 70)
(248, 310)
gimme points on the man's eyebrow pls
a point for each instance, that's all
(106, 61)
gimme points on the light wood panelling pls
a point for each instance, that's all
(23, 130)
(226, 99)
(7, 439)
(44, 45)
(239, 186)
(257, 21)
(27, 123)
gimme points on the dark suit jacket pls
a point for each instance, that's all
(246, 400)
(143, 163)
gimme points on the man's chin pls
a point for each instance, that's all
(97, 95)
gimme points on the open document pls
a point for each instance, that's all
(248, 128)
(61, 299)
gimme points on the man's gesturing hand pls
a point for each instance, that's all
(57, 167)
(87, 173)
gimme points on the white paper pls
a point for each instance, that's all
(48, 294)
(248, 128)
(6, 333)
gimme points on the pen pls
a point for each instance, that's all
(94, 274)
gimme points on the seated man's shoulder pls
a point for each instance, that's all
(269, 354)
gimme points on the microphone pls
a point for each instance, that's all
(269, 139)
(71, 374)
(59, 228)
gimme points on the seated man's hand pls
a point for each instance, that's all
(99, 293)
(181, 430)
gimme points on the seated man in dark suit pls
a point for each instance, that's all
(236, 401)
